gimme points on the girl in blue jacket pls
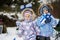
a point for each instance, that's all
(46, 22)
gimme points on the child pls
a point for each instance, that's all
(27, 28)
(46, 22)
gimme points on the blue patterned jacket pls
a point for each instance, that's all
(46, 29)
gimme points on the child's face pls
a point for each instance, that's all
(27, 17)
(45, 11)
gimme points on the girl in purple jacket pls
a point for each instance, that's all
(28, 28)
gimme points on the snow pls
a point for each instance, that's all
(46, 1)
(10, 35)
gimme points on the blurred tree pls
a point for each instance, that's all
(8, 2)
(56, 9)
(35, 6)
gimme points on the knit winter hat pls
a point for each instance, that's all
(27, 12)
(30, 11)
(45, 8)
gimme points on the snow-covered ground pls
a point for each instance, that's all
(12, 34)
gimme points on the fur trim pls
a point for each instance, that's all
(33, 14)
(49, 5)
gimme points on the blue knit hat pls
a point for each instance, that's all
(44, 7)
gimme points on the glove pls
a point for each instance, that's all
(48, 20)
